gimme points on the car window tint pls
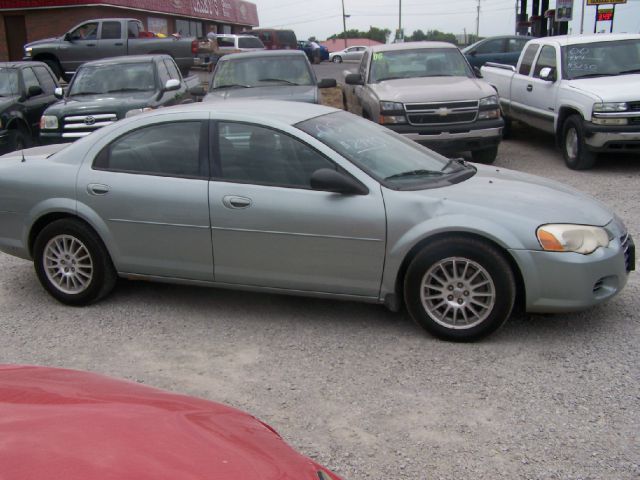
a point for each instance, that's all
(547, 58)
(29, 79)
(172, 69)
(253, 154)
(133, 29)
(168, 149)
(527, 59)
(47, 82)
(88, 31)
(163, 73)
(363, 66)
(250, 42)
(491, 46)
(111, 31)
(225, 42)
(516, 44)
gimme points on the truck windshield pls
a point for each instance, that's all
(601, 59)
(385, 155)
(126, 77)
(423, 62)
(262, 72)
(8, 82)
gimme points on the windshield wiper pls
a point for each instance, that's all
(77, 94)
(591, 75)
(278, 80)
(231, 85)
(119, 90)
(389, 78)
(451, 161)
(634, 70)
(416, 173)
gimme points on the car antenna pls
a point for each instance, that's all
(22, 152)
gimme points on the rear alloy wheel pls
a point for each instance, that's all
(337, 59)
(486, 155)
(576, 154)
(72, 263)
(460, 289)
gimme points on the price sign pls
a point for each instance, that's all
(605, 15)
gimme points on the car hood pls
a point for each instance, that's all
(429, 89)
(42, 41)
(621, 88)
(296, 93)
(526, 197)
(34, 153)
(89, 426)
(113, 102)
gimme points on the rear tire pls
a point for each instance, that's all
(337, 59)
(72, 263)
(460, 289)
(574, 150)
(486, 155)
(55, 67)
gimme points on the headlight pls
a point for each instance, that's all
(610, 107)
(583, 239)
(491, 101)
(48, 122)
(28, 51)
(391, 107)
(489, 114)
(137, 111)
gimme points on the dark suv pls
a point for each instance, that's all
(26, 90)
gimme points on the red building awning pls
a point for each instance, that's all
(226, 11)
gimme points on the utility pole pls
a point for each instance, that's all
(582, 18)
(344, 26)
(478, 22)
(400, 19)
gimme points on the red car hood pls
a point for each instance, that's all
(57, 423)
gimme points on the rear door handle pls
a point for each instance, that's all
(529, 88)
(118, 44)
(233, 201)
(91, 44)
(97, 189)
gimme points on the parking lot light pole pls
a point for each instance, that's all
(344, 25)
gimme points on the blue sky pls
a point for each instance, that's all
(322, 18)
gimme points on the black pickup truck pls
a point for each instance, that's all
(105, 91)
(26, 90)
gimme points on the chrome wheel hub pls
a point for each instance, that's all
(571, 143)
(68, 264)
(457, 293)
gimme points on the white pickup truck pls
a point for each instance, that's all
(585, 89)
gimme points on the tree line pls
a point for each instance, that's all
(381, 35)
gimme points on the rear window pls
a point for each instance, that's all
(225, 42)
(287, 37)
(250, 42)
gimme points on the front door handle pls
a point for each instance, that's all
(233, 201)
(97, 189)
(529, 88)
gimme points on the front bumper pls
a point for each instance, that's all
(563, 282)
(51, 137)
(605, 138)
(454, 138)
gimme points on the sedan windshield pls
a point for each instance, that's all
(424, 62)
(8, 82)
(385, 155)
(262, 72)
(601, 59)
(129, 77)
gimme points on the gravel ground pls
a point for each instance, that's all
(365, 391)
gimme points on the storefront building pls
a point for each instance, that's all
(23, 21)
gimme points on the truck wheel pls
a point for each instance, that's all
(459, 289)
(576, 154)
(54, 66)
(337, 59)
(486, 155)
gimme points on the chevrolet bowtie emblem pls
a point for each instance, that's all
(444, 111)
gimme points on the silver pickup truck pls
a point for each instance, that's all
(427, 92)
(103, 38)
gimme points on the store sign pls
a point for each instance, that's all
(605, 15)
(605, 2)
(564, 10)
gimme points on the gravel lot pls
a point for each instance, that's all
(365, 391)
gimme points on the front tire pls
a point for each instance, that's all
(460, 289)
(486, 155)
(574, 150)
(72, 263)
(337, 59)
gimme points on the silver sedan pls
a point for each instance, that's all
(306, 200)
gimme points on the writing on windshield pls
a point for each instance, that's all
(127, 77)
(601, 59)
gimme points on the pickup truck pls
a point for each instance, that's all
(105, 91)
(427, 92)
(581, 88)
(107, 37)
(26, 90)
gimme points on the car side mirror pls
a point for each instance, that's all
(58, 92)
(329, 180)
(172, 84)
(327, 83)
(34, 91)
(548, 74)
(197, 91)
(68, 37)
(473, 53)
(477, 72)
(354, 79)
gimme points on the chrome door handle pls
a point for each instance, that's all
(97, 189)
(232, 201)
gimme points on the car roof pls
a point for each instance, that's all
(262, 53)
(589, 38)
(20, 64)
(391, 47)
(125, 59)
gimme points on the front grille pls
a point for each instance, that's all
(629, 249)
(442, 113)
(634, 106)
(77, 126)
(598, 285)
